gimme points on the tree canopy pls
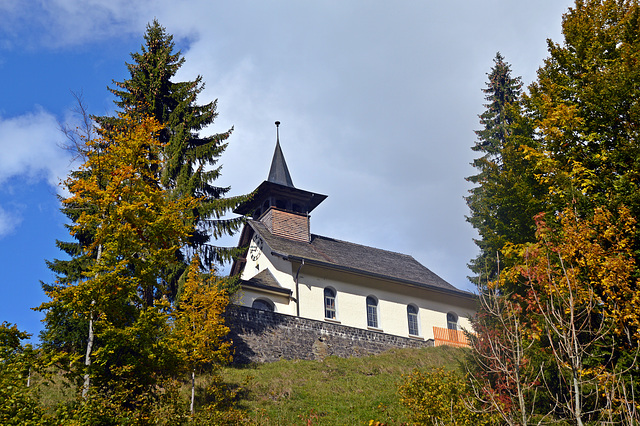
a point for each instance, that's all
(568, 246)
(191, 163)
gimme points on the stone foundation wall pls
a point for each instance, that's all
(261, 336)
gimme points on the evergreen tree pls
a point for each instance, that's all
(506, 198)
(189, 167)
(191, 161)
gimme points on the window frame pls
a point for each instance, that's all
(452, 321)
(333, 297)
(372, 314)
(266, 301)
(415, 316)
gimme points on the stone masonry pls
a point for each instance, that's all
(262, 336)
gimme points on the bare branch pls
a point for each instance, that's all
(78, 136)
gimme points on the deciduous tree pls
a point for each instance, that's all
(19, 405)
(137, 229)
(440, 398)
(581, 306)
(199, 327)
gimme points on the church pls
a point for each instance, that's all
(291, 272)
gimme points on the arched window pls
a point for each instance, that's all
(329, 303)
(263, 305)
(452, 321)
(372, 312)
(412, 319)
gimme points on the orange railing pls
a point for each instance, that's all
(445, 336)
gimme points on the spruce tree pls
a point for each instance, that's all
(191, 165)
(505, 200)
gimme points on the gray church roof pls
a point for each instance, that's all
(279, 172)
(357, 258)
(267, 281)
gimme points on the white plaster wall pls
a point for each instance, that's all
(282, 272)
(282, 304)
(393, 298)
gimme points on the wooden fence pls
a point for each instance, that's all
(446, 336)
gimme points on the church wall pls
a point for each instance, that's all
(393, 298)
(282, 272)
(352, 290)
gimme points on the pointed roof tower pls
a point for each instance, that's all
(279, 173)
(280, 206)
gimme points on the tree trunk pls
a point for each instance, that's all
(193, 389)
(87, 357)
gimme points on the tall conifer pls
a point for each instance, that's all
(191, 165)
(505, 200)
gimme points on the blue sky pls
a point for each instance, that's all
(378, 102)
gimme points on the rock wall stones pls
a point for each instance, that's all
(262, 336)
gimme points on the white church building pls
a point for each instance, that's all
(289, 270)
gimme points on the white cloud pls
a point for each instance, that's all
(8, 222)
(30, 146)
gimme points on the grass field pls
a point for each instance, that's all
(335, 391)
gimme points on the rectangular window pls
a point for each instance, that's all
(372, 312)
(329, 303)
(452, 321)
(412, 317)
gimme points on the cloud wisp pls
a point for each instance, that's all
(30, 146)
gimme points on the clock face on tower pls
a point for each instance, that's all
(255, 250)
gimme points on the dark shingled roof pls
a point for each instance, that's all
(267, 281)
(279, 172)
(357, 258)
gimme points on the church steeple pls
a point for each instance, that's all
(279, 173)
(280, 206)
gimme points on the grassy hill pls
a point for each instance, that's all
(335, 391)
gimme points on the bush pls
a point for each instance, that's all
(439, 397)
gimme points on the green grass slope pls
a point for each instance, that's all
(335, 391)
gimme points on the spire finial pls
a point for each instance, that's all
(279, 173)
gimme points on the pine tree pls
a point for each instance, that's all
(191, 164)
(504, 202)
(188, 168)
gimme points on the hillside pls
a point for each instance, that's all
(335, 391)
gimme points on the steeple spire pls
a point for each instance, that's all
(281, 207)
(279, 173)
